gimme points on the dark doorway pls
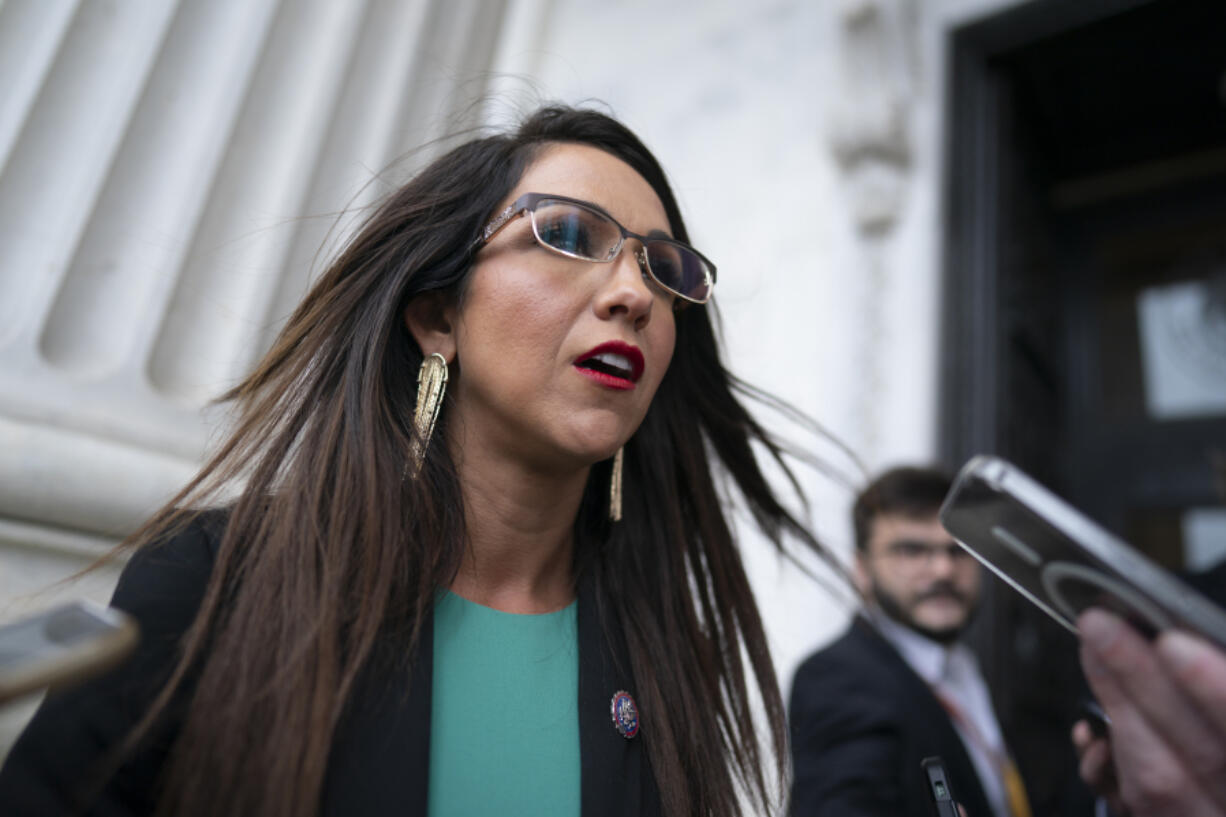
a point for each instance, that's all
(1086, 303)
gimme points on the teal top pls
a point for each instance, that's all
(504, 729)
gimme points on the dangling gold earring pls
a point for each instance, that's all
(615, 486)
(431, 383)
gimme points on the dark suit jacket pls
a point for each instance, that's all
(861, 721)
(380, 758)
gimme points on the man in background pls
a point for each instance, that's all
(898, 686)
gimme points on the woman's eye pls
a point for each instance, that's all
(568, 235)
(668, 272)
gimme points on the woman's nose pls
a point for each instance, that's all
(628, 289)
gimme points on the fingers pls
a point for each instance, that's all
(1126, 672)
(1095, 768)
(1095, 763)
(1082, 737)
(1092, 758)
(1168, 758)
(1201, 670)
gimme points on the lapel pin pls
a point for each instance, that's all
(625, 714)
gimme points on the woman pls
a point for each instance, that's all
(489, 427)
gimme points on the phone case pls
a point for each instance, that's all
(1061, 560)
(62, 645)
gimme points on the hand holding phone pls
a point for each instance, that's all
(1167, 700)
(64, 644)
(1164, 690)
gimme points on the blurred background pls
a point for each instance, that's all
(943, 227)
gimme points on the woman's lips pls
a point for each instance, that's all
(614, 364)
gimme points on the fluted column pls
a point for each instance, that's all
(168, 174)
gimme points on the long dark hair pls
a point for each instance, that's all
(329, 547)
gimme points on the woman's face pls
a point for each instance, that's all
(531, 324)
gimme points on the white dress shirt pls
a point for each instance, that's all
(953, 673)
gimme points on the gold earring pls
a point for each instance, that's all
(431, 383)
(615, 486)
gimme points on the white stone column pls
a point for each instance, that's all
(168, 174)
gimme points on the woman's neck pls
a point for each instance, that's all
(520, 526)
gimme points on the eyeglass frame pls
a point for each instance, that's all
(527, 204)
(915, 552)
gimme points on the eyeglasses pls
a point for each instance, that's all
(912, 553)
(578, 229)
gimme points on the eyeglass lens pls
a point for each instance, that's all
(582, 233)
(912, 551)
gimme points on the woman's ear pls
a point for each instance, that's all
(430, 319)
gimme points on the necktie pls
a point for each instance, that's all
(1015, 792)
(1019, 804)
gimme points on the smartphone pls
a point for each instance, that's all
(62, 645)
(1061, 560)
(1097, 718)
(939, 790)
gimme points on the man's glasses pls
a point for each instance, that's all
(911, 552)
(581, 230)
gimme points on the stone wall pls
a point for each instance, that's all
(170, 171)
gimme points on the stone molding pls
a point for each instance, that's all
(873, 88)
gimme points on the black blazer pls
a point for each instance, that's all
(381, 752)
(861, 721)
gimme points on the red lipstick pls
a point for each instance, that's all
(614, 364)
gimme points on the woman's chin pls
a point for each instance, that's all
(593, 456)
(591, 448)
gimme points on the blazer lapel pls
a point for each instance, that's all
(616, 777)
(932, 730)
(380, 761)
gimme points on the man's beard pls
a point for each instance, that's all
(948, 635)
